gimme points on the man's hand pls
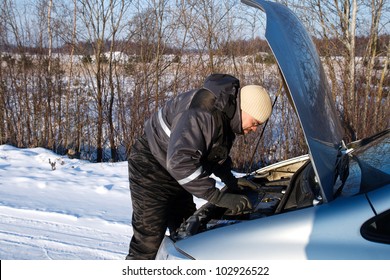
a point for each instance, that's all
(244, 183)
(234, 202)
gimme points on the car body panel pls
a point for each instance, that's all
(380, 199)
(336, 232)
(329, 231)
(308, 88)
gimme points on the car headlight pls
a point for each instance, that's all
(168, 251)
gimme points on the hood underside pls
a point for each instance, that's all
(307, 87)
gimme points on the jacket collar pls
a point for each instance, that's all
(235, 122)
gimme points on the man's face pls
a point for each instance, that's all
(249, 123)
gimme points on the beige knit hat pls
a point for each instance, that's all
(256, 102)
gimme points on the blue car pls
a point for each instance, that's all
(333, 203)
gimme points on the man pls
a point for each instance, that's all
(187, 140)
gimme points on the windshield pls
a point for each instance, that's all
(369, 166)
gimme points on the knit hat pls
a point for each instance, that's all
(256, 102)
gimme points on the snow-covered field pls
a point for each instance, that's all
(80, 210)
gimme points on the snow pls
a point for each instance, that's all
(82, 211)
(78, 211)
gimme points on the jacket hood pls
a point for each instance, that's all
(225, 88)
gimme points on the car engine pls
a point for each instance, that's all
(278, 190)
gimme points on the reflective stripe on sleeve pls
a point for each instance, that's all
(191, 177)
(163, 124)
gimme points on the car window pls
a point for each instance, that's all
(377, 229)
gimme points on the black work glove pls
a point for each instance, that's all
(236, 203)
(244, 183)
(223, 171)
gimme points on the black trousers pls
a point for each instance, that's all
(159, 202)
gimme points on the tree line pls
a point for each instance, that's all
(82, 76)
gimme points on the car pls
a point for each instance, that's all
(333, 203)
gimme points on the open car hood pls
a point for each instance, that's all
(307, 88)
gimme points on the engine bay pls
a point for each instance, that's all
(279, 189)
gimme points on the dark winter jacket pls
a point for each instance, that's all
(192, 134)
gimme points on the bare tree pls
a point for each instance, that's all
(67, 129)
(102, 100)
(371, 76)
(353, 79)
(95, 15)
(118, 8)
(209, 31)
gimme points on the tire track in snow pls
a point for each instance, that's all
(55, 236)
